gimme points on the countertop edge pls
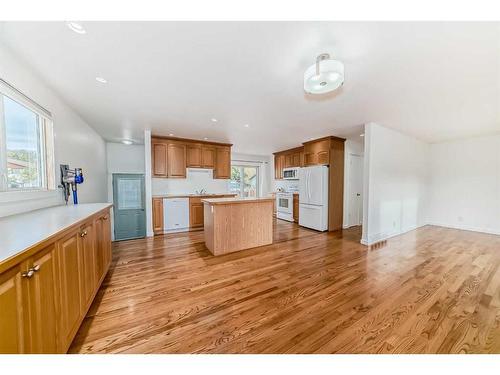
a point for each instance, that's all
(216, 201)
(32, 249)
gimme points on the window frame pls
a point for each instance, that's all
(46, 147)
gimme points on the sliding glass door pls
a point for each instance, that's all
(244, 181)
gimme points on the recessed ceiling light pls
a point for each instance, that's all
(127, 142)
(76, 27)
(171, 135)
(246, 125)
(311, 138)
(205, 138)
(361, 135)
(101, 80)
(214, 120)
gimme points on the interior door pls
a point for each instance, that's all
(355, 189)
(128, 206)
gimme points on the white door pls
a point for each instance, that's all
(355, 189)
(315, 185)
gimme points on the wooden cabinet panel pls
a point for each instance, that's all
(296, 208)
(208, 156)
(323, 157)
(310, 158)
(158, 215)
(296, 159)
(277, 167)
(288, 161)
(12, 322)
(194, 156)
(196, 219)
(70, 287)
(159, 158)
(222, 163)
(87, 259)
(41, 295)
(176, 160)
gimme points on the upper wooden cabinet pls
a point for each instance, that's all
(171, 156)
(287, 159)
(208, 157)
(317, 152)
(194, 156)
(222, 163)
(176, 160)
(159, 159)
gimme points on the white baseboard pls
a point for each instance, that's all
(381, 237)
(465, 227)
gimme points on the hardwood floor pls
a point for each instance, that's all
(433, 290)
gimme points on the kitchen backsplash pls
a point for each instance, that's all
(196, 179)
(286, 185)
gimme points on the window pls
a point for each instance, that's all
(244, 181)
(26, 148)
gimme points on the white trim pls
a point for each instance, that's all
(465, 227)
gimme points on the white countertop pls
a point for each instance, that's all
(23, 231)
(236, 200)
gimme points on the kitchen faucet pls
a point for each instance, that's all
(201, 192)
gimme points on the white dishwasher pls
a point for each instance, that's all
(175, 214)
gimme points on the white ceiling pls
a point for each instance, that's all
(437, 81)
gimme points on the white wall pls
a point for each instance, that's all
(122, 158)
(465, 184)
(351, 147)
(395, 184)
(75, 143)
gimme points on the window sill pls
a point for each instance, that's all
(26, 195)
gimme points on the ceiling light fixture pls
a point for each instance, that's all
(101, 80)
(206, 139)
(214, 120)
(127, 142)
(171, 135)
(76, 27)
(246, 126)
(324, 76)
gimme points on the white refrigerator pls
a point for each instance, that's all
(313, 197)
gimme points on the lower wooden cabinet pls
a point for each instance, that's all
(45, 297)
(196, 218)
(296, 208)
(158, 215)
(12, 321)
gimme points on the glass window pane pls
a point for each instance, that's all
(235, 182)
(23, 146)
(250, 182)
(129, 194)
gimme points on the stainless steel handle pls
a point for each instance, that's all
(36, 268)
(83, 234)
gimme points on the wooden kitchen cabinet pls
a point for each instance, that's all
(12, 321)
(317, 152)
(222, 163)
(194, 156)
(196, 219)
(171, 156)
(176, 160)
(208, 157)
(41, 296)
(71, 287)
(157, 215)
(45, 295)
(159, 158)
(296, 208)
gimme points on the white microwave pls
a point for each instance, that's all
(291, 173)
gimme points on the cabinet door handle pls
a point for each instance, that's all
(83, 234)
(105, 218)
(28, 274)
(36, 268)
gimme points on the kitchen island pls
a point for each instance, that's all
(234, 224)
